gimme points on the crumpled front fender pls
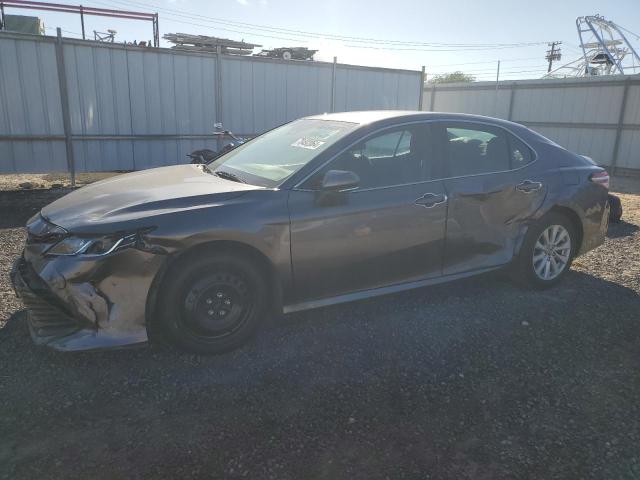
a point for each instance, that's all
(105, 296)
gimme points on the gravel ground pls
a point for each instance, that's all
(48, 180)
(476, 379)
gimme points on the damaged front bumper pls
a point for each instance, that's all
(75, 303)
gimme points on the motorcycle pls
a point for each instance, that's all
(207, 155)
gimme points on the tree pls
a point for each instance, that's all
(454, 77)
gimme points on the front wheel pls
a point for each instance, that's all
(212, 304)
(547, 252)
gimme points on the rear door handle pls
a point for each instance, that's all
(430, 200)
(528, 186)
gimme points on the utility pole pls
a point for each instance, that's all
(495, 99)
(553, 54)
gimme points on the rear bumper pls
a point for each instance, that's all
(71, 316)
(595, 223)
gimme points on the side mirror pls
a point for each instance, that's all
(339, 181)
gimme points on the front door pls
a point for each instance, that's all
(387, 231)
(493, 188)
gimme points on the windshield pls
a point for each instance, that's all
(271, 158)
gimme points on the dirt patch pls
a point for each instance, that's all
(30, 181)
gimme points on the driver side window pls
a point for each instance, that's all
(393, 157)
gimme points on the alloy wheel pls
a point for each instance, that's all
(551, 252)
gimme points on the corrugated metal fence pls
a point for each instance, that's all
(101, 107)
(597, 116)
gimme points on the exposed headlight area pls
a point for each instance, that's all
(93, 246)
(41, 231)
(69, 282)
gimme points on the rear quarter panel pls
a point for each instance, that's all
(567, 178)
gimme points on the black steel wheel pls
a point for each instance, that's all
(213, 304)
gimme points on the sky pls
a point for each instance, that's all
(466, 35)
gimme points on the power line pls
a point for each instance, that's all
(438, 50)
(538, 74)
(488, 72)
(298, 34)
(64, 31)
(485, 62)
(326, 35)
(432, 50)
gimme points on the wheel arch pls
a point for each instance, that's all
(568, 212)
(576, 222)
(227, 246)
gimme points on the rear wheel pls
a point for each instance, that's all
(213, 304)
(547, 252)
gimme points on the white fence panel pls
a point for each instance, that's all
(484, 102)
(30, 106)
(29, 88)
(598, 117)
(260, 94)
(596, 104)
(359, 88)
(134, 107)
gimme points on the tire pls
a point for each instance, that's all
(212, 304)
(535, 272)
(615, 208)
(287, 55)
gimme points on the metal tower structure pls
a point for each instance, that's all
(605, 51)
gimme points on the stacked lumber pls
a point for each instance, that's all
(203, 43)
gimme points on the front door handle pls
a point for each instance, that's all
(430, 200)
(528, 186)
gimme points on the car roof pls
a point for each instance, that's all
(365, 116)
(375, 116)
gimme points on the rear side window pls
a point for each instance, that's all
(520, 154)
(471, 149)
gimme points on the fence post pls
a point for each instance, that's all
(432, 101)
(333, 84)
(218, 93)
(616, 144)
(64, 100)
(421, 93)
(495, 100)
(82, 22)
(511, 95)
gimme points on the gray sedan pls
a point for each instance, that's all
(322, 210)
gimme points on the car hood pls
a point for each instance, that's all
(140, 195)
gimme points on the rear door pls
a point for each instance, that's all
(389, 230)
(493, 187)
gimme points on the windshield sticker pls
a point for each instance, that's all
(314, 140)
(308, 143)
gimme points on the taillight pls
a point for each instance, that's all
(601, 178)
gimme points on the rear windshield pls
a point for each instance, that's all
(271, 158)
